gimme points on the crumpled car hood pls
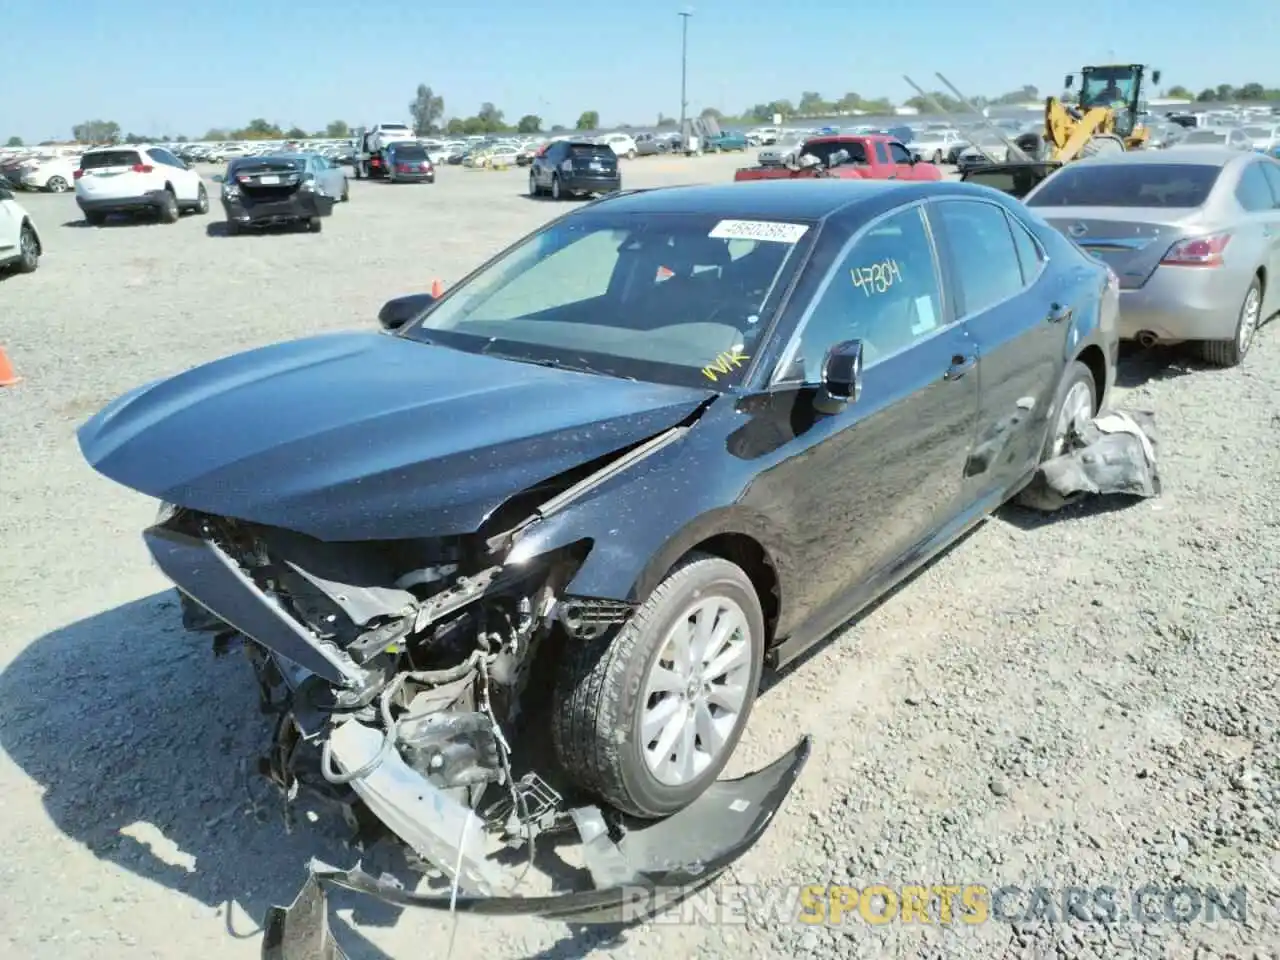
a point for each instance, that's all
(364, 436)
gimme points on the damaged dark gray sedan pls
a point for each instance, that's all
(515, 565)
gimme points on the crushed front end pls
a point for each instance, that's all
(399, 675)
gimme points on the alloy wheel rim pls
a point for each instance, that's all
(1249, 319)
(696, 691)
(1077, 408)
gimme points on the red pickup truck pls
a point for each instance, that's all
(871, 156)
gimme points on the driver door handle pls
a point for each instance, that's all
(960, 365)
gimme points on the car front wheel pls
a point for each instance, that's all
(647, 717)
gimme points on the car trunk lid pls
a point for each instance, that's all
(269, 179)
(1132, 247)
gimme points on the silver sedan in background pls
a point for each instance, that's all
(1193, 235)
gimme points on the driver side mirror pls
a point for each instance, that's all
(1069, 81)
(396, 313)
(841, 377)
(1155, 76)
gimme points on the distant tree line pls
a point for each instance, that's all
(427, 112)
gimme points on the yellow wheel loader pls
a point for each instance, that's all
(1106, 117)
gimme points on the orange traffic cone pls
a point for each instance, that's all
(437, 288)
(7, 377)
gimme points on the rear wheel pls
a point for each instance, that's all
(167, 211)
(648, 717)
(315, 224)
(57, 185)
(555, 187)
(1102, 143)
(202, 201)
(28, 250)
(346, 191)
(534, 189)
(1074, 405)
(1230, 353)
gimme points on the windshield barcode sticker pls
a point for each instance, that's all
(759, 230)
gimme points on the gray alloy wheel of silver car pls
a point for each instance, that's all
(1231, 353)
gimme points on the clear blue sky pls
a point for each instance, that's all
(165, 66)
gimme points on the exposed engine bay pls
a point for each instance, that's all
(399, 676)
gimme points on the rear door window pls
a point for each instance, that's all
(984, 256)
(1163, 185)
(109, 158)
(1253, 192)
(1272, 172)
(164, 156)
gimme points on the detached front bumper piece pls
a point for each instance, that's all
(652, 868)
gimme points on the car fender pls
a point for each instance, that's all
(641, 521)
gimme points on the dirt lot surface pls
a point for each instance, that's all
(1088, 700)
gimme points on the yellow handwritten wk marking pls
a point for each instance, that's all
(878, 277)
(725, 362)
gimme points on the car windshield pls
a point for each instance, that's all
(672, 298)
(1258, 133)
(1171, 185)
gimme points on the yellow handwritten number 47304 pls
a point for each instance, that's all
(724, 363)
(878, 277)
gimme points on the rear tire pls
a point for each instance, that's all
(28, 250)
(555, 187)
(168, 211)
(615, 700)
(1077, 383)
(346, 191)
(315, 225)
(1102, 143)
(202, 201)
(1231, 353)
(57, 185)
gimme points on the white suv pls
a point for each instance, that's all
(129, 179)
(20, 246)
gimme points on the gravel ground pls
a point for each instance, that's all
(1087, 700)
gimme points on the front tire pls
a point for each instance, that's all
(1231, 353)
(534, 189)
(202, 201)
(315, 224)
(647, 717)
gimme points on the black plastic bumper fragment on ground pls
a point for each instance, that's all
(651, 869)
(1114, 453)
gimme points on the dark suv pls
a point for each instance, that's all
(574, 167)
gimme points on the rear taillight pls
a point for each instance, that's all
(142, 168)
(77, 174)
(1197, 251)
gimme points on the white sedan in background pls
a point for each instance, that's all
(52, 172)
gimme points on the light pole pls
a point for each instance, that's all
(684, 73)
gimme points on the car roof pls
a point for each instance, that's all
(843, 137)
(1191, 154)
(120, 146)
(802, 199)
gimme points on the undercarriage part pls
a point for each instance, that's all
(655, 865)
(533, 809)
